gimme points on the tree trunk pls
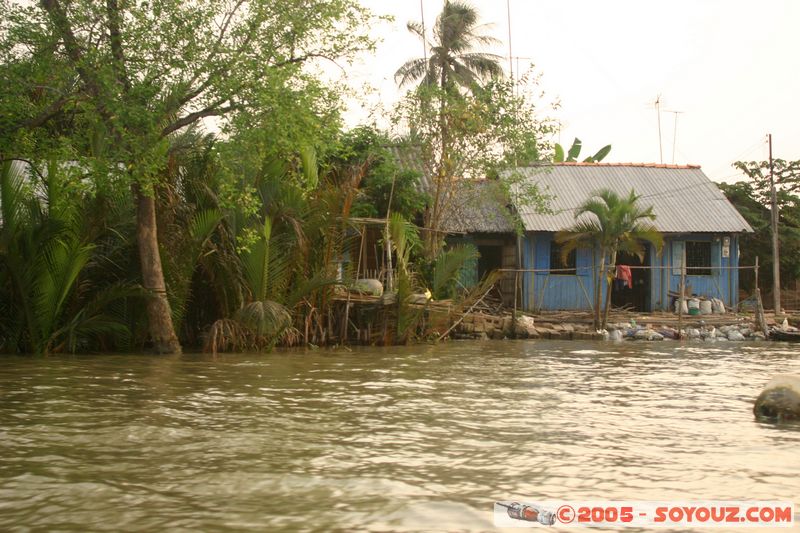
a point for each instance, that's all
(608, 290)
(598, 300)
(159, 315)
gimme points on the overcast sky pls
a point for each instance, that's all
(732, 69)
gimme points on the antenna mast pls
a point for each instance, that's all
(674, 132)
(658, 114)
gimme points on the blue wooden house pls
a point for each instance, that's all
(691, 213)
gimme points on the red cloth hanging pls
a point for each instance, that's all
(624, 273)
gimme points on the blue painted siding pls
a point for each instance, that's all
(555, 291)
(544, 291)
(723, 282)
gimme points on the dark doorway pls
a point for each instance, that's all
(634, 298)
(491, 258)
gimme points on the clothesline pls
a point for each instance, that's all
(657, 267)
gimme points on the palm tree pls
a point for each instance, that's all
(54, 296)
(452, 63)
(612, 223)
(450, 69)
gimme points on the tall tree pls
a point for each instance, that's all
(610, 223)
(452, 63)
(485, 135)
(753, 204)
(136, 72)
(452, 69)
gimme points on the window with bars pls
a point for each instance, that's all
(556, 265)
(698, 258)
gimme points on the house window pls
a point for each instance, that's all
(557, 265)
(698, 258)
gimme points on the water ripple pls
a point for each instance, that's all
(383, 439)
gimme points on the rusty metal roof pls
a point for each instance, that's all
(477, 206)
(683, 198)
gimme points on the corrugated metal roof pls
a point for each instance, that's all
(683, 198)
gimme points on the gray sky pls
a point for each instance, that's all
(730, 67)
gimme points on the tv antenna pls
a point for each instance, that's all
(657, 105)
(674, 130)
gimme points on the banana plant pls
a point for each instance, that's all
(575, 151)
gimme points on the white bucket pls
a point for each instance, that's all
(694, 303)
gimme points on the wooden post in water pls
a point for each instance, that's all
(682, 297)
(755, 284)
(759, 312)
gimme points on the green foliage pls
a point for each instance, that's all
(108, 84)
(446, 269)
(753, 200)
(367, 148)
(559, 154)
(786, 175)
(575, 151)
(265, 318)
(404, 239)
(471, 136)
(452, 62)
(754, 207)
(47, 303)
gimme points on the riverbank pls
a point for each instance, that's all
(626, 325)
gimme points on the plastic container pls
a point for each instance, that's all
(694, 306)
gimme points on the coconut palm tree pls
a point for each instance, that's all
(452, 63)
(611, 223)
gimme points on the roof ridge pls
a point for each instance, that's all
(646, 165)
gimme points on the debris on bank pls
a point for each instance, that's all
(372, 320)
(656, 327)
(483, 326)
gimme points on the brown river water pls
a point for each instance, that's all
(396, 439)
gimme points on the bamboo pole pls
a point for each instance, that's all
(358, 273)
(457, 322)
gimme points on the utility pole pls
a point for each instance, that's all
(776, 263)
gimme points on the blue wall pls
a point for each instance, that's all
(543, 291)
(555, 291)
(723, 283)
